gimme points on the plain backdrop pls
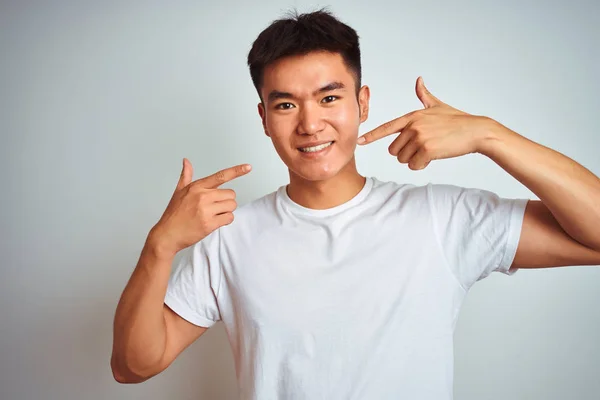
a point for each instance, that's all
(100, 101)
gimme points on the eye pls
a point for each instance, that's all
(329, 99)
(284, 106)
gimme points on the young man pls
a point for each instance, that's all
(339, 286)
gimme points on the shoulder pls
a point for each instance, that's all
(406, 199)
(444, 192)
(438, 196)
(386, 187)
(395, 191)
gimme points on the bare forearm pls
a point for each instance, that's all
(570, 191)
(139, 326)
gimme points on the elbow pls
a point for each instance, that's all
(122, 374)
(119, 377)
(123, 378)
(119, 374)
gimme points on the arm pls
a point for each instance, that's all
(563, 227)
(148, 336)
(544, 243)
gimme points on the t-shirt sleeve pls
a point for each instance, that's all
(194, 283)
(477, 230)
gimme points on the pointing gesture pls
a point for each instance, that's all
(212, 181)
(196, 208)
(435, 132)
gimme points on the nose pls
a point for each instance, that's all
(311, 120)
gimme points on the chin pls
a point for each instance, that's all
(316, 173)
(316, 177)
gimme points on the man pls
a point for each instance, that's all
(339, 286)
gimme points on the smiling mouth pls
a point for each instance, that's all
(316, 149)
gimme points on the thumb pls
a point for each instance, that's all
(424, 95)
(186, 174)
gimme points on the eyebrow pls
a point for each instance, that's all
(276, 94)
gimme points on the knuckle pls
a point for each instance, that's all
(221, 176)
(205, 225)
(193, 188)
(228, 218)
(417, 124)
(202, 214)
(427, 147)
(225, 194)
(388, 126)
(201, 196)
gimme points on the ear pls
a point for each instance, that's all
(263, 117)
(364, 95)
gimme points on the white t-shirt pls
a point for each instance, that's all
(358, 301)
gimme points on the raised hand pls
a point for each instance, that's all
(197, 208)
(436, 132)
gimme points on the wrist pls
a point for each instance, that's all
(158, 244)
(491, 133)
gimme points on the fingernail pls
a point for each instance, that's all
(361, 140)
(247, 168)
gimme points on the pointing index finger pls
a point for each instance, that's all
(389, 128)
(219, 178)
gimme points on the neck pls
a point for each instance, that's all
(320, 195)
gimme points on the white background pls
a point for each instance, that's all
(100, 101)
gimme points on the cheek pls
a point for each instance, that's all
(280, 131)
(276, 133)
(278, 127)
(345, 120)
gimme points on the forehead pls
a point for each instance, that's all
(303, 74)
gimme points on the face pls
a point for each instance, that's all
(311, 100)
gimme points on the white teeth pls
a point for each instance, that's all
(315, 148)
